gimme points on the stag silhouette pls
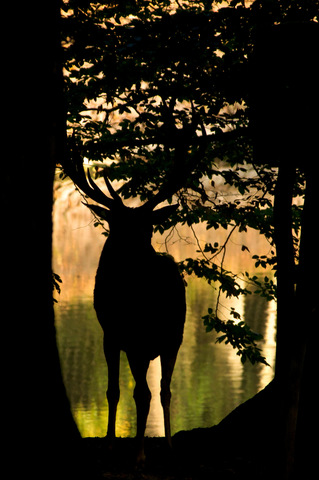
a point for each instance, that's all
(139, 298)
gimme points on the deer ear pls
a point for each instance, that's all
(99, 211)
(159, 216)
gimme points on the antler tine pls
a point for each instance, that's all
(96, 193)
(114, 194)
(73, 167)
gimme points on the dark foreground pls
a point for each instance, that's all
(243, 446)
(192, 458)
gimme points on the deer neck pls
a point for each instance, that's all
(127, 251)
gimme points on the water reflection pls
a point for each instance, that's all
(209, 379)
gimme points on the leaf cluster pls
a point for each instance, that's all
(238, 335)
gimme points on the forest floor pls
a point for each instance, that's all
(242, 446)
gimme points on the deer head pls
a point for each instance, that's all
(121, 218)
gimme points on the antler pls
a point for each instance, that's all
(73, 167)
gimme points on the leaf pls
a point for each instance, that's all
(56, 281)
(221, 338)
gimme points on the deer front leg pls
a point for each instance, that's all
(168, 363)
(112, 357)
(142, 397)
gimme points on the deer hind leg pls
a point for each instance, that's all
(168, 363)
(112, 357)
(142, 397)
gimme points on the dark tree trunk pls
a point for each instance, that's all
(297, 319)
(290, 345)
(285, 266)
(286, 80)
(41, 429)
(307, 316)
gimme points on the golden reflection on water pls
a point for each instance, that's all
(209, 380)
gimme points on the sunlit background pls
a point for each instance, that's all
(209, 379)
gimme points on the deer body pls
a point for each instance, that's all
(139, 298)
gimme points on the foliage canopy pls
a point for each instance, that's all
(162, 89)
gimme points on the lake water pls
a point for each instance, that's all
(209, 380)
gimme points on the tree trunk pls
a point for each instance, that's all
(297, 317)
(41, 428)
(287, 376)
(307, 331)
(286, 78)
(285, 266)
